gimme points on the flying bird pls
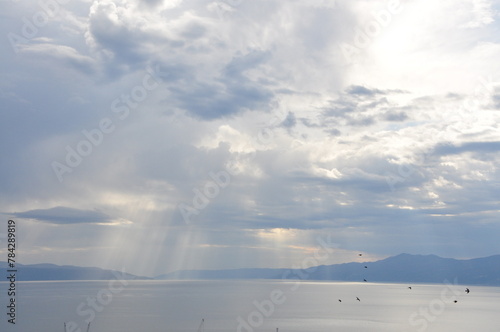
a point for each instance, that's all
(360, 254)
(467, 290)
(409, 287)
(366, 267)
(357, 298)
(364, 279)
(455, 301)
(340, 300)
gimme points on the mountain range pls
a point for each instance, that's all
(40, 272)
(403, 268)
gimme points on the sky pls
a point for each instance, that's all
(151, 136)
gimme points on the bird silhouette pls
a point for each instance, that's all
(366, 267)
(360, 254)
(455, 301)
(409, 287)
(467, 290)
(357, 298)
(364, 279)
(340, 300)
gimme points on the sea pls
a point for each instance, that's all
(247, 306)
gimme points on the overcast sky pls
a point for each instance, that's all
(162, 135)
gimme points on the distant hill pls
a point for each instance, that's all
(65, 272)
(404, 268)
(401, 268)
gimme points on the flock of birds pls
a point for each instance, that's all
(467, 290)
(200, 328)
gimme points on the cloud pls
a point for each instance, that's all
(290, 121)
(390, 153)
(231, 93)
(482, 14)
(359, 106)
(362, 91)
(120, 36)
(65, 216)
(65, 54)
(479, 147)
(395, 116)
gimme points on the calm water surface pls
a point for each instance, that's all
(247, 306)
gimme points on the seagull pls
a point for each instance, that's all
(467, 290)
(357, 298)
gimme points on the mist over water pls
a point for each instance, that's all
(154, 306)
